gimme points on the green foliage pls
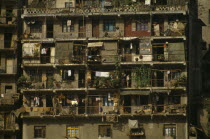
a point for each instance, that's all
(142, 76)
(24, 83)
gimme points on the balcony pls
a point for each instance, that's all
(153, 109)
(105, 11)
(52, 60)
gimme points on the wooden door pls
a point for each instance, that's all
(95, 28)
(9, 68)
(52, 55)
(127, 28)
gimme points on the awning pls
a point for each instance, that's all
(95, 44)
(135, 92)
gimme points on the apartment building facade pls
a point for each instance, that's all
(105, 69)
(8, 69)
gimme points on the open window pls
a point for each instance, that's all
(36, 26)
(68, 74)
(104, 131)
(94, 51)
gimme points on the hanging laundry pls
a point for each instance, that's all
(69, 72)
(36, 101)
(44, 51)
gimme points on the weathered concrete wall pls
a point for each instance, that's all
(203, 14)
(61, 3)
(58, 32)
(88, 128)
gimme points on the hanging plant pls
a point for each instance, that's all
(142, 76)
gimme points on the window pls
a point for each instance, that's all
(72, 131)
(68, 26)
(109, 25)
(142, 25)
(107, 100)
(105, 130)
(68, 4)
(68, 74)
(8, 89)
(36, 27)
(7, 40)
(39, 131)
(170, 130)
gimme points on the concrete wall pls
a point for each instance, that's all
(88, 128)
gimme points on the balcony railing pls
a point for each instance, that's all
(154, 109)
(54, 60)
(101, 110)
(178, 56)
(132, 83)
(68, 84)
(124, 9)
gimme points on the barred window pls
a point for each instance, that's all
(39, 131)
(72, 131)
(170, 130)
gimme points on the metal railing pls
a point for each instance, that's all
(123, 9)
(65, 84)
(102, 110)
(53, 60)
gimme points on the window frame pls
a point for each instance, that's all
(65, 28)
(142, 25)
(73, 128)
(172, 130)
(99, 130)
(108, 24)
(69, 4)
(42, 134)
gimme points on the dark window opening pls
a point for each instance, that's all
(9, 15)
(35, 75)
(49, 101)
(109, 25)
(36, 27)
(7, 40)
(68, 75)
(49, 29)
(174, 99)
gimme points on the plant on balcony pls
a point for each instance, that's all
(181, 81)
(142, 76)
(24, 82)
